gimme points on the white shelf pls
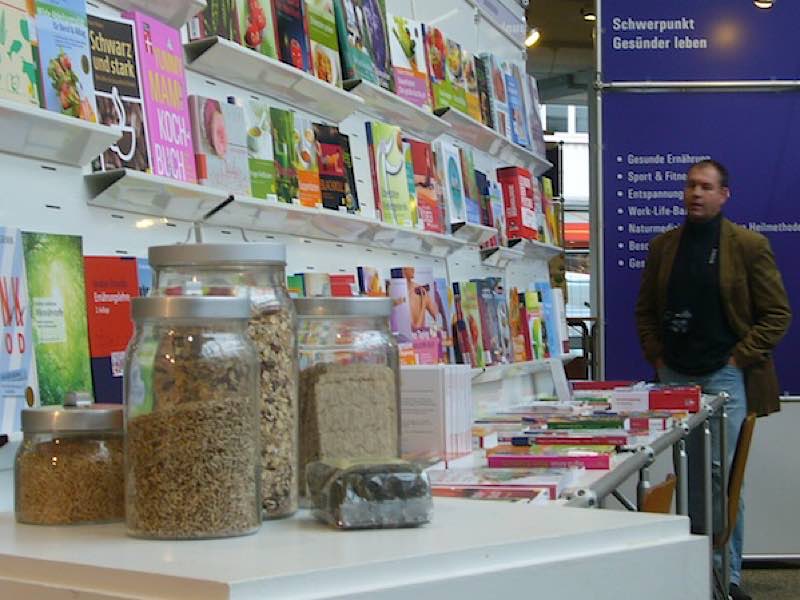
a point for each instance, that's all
(37, 133)
(501, 256)
(172, 12)
(222, 59)
(137, 192)
(500, 372)
(536, 249)
(391, 108)
(471, 549)
(486, 139)
(473, 233)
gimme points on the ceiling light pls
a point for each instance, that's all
(765, 4)
(588, 14)
(533, 37)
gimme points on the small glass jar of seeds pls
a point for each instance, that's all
(68, 468)
(192, 439)
(256, 271)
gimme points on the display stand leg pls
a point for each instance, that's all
(641, 489)
(681, 462)
(723, 495)
(708, 508)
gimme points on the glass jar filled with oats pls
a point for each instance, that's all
(349, 379)
(68, 468)
(256, 271)
(192, 443)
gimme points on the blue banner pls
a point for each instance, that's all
(699, 40)
(649, 142)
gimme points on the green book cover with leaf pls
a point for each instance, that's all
(390, 172)
(19, 74)
(284, 148)
(57, 292)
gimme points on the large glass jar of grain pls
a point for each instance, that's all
(68, 468)
(256, 271)
(192, 440)
(349, 379)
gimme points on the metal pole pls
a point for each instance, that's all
(681, 462)
(723, 496)
(675, 86)
(708, 526)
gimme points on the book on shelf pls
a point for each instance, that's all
(521, 349)
(260, 152)
(519, 202)
(118, 92)
(446, 71)
(455, 76)
(427, 187)
(285, 153)
(472, 195)
(553, 315)
(465, 350)
(531, 89)
(324, 41)
(450, 174)
(537, 333)
(472, 316)
(586, 422)
(65, 66)
(18, 373)
(354, 42)
(350, 191)
(249, 23)
(57, 296)
(561, 457)
(307, 165)
(370, 282)
(295, 285)
(471, 85)
(291, 25)
(164, 91)
(19, 71)
(551, 229)
(445, 303)
(518, 118)
(332, 170)
(506, 352)
(400, 319)
(343, 285)
(220, 144)
(413, 207)
(111, 283)
(490, 328)
(497, 93)
(484, 92)
(390, 180)
(407, 49)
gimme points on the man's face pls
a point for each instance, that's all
(703, 196)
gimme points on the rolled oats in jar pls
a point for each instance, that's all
(255, 271)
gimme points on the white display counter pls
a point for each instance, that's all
(472, 549)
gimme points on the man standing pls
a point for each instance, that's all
(711, 308)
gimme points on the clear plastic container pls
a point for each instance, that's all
(349, 379)
(69, 466)
(192, 441)
(256, 271)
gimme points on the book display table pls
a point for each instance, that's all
(470, 550)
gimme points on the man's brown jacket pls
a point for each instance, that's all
(753, 298)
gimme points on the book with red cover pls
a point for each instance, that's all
(589, 457)
(343, 286)
(676, 398)
(601, 385)
(111, 282)
(430, 202)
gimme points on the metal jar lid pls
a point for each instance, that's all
(190, 307)
(178, 255)
(343, 307)
(95, 417)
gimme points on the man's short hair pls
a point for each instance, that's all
(720, 168)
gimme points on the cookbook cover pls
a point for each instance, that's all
(452, 182)
(374, 15)
(518, 118)
(65, 59)
(285, 151)
(18, 362)
(387, 156)
(19, 73)
(446, 304)
(412, 191)
(255, 26)
(351, 193)
(408, 61)
(111, 282)
(332, 171)
(306, 165)
(164, 91)
(57, 294)
(464, 351)
(455, 76)
(426, 187)
(260, 154)
(472, 319)
(354, 41)
(521, 352)
(534, 114)
(472, 196)
(291, 23)
(471, 86)
(218, 18)
(484, 94)
(496, 84)
(118, 91)
(370, 282)
(490, 329)
(220, 144)
(506, 351)
(446, 70)
(324, 41)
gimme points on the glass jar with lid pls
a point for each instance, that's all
(192, 440)
(349, 379)
(257, 271)
(69, 466)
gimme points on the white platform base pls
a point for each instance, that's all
(471, 550)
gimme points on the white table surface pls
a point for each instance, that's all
(468, 544)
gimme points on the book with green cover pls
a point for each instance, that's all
(57, 292)
(472, 318)
(260, 154)
(390, 180)
(19, 73)
(284, 147)
(354, 44)
(324, 41)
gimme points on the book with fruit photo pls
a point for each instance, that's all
(324, 41)
(307, 167)
(408, 61)
(291, 24)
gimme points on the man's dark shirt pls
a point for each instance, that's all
(697, 337)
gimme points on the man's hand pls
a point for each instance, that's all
(732, 361)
